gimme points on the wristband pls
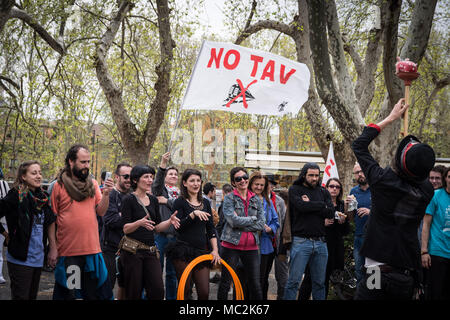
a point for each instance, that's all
(425, 252)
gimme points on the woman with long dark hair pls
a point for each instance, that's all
(196, 234)
(259, 184)
(30, 220)
(141, 219)
(335, 229)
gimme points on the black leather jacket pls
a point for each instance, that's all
(113, 225)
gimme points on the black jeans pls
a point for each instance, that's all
(439, 279)
(392, 286)
(251, 261)
(110, 262)
(142, 271)
(24, 281)
(266, 267)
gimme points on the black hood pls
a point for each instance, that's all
(302, 176)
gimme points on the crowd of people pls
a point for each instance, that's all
(120, 235)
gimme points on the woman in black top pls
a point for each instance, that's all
(335, 229)
(142, 269)
(196, 234)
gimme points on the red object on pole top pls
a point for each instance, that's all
(406, 70)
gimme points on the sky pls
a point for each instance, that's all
(212, 16)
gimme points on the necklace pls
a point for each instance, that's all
(199, 207)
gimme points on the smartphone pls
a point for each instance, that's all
(108, 175)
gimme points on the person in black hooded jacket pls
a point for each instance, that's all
(400, 195)
(309, 205)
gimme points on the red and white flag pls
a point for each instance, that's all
(330, 167)
(233, 78)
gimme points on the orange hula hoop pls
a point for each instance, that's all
(208, 257)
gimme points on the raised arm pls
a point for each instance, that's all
(158, 184)
(360, 146)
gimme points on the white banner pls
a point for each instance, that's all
(232, 78)
(330, 167)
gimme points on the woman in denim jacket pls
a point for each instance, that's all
(259, 184)
(244, 220)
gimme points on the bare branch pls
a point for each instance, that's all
(356, 58)
(52, 42)
(250, 17)
(264, 24)
(390, 13)
(143, 18)
(343, 79)
(10, 81)
(5, 8)
(162, 85)
(346, 118)
(111, 90)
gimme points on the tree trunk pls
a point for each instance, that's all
(414, 49)
(5, 9)
(137, 144)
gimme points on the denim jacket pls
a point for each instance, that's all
(236, 224)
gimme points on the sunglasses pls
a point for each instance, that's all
(239, 179)
(125, 176)
(333, 186)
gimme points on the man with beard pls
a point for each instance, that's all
(309, 205)
(113, 228)
(76, 201)
(362, 194)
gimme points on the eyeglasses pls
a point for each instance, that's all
(358, 172)
(239, 179)
(125, 176)
(334, 186)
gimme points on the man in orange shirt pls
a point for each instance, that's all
(76, 201)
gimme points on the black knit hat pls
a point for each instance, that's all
(414, 159)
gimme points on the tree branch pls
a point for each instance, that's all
(357, 61)
(10, 82)
(264, 24)
(5, 9)
(391, 13)
(52, 42)
(347, 120)
(343, 79)
(419, 30)
(250, 17)
(162, 85)
(112, 92)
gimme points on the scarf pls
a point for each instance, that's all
(173, 192)
(40, 199)
(78, 190)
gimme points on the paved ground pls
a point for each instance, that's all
(47, 282)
